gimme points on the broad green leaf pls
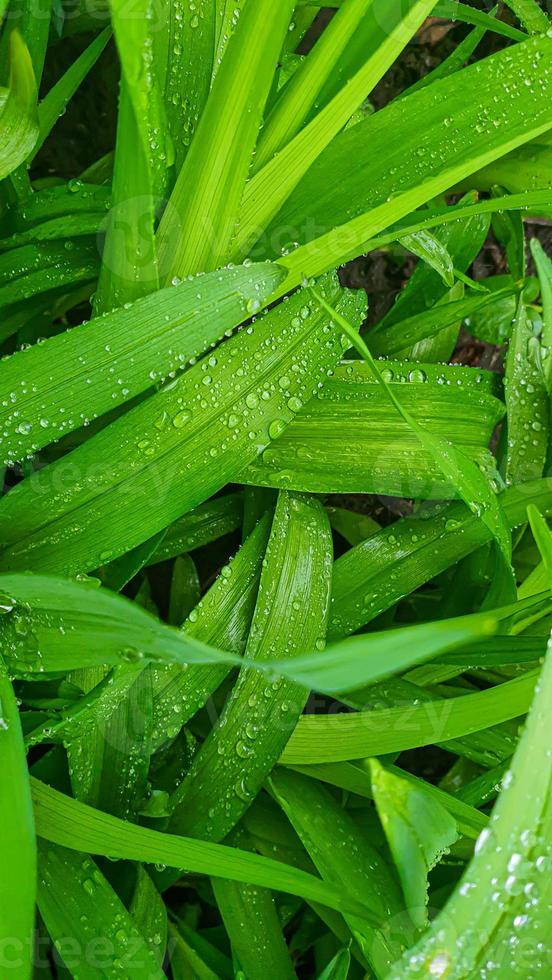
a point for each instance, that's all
(251, 921)
(354, 778)
(364, 659)
(182, 444)
(319, 738)
(18, 111)
(91, 929)
(527, 403)
(271, 186)
(511, 863)
(472, 485)
(419, 831)
(258, 718)
(200, 218)
(415, 550)
(150, 914)
(46, 614)
(17, 838)
(350, 439)
(336, 209)
(66, 822)
(48, 268)
(344, 855)
(118, 356)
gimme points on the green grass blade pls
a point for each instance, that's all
(32, 22)
(228, 12)
(48, 613)
(251, 921)
(258, 719)
(186, 961)
(456, 60)
(74, 825)
(199, 221)
(338, 967)
(134, 35)
(544, 270)
(351, 440)
(472, 485)
(183, 54)
(18, 110)
(116, 751)
(456, 11)
(354, 778)
(129, 258)
(122, 354)
(50, 268)
(391, 340)
(431, 250)
(193, 436)
(511, 853)
(150, 915)
(55, 101)
(298, 98)
(364, 659)
(200, 527)
(69, 198)
(468, 15)
(268, 189)
(17, 839)
(530, 15)
(415, 551)
(222, 618)
(343, 854)
(419, 831)
(527, 403)
(320, 209)
(379, 732)
(81, 911)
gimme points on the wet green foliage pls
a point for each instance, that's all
(275, 555)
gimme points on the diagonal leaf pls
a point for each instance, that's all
(184, 444)
(112, 363)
